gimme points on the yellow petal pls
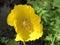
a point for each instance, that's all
(18, 38)
(23, 11)
(10, 18)
(35, 19)
(37, 33)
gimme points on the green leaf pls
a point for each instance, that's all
(12, 42)
(49, 37)
(4, 40)
(58, 37)
(57, 3)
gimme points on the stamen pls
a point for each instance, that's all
(27, 25)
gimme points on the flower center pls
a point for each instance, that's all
(26, 24)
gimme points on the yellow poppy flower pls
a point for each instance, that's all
(26, 23)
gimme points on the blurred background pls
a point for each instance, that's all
(49, 10)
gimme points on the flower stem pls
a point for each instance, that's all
(53, 40)
(24, 43)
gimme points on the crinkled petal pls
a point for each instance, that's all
(37, 33)
(10, 18)
(23, 11)
(18, 38)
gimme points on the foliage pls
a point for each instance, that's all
(8, 41)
